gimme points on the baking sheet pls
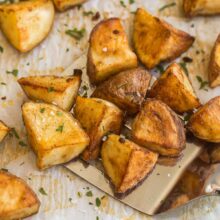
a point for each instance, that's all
(52, 57)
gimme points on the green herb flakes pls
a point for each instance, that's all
(42, 191)
(79, 194)
(22, 143)
(97, 202)
(184, 67)
(60, 128)
(50, 89)
(87, 13)
(89, 194)
(167, 6)
(203, 83)
(13, 132)
(42, 110)
(70, 199)
(122, 4)
(160, 68)
(131, 2)
(75, 33)
(1, 49)
(13, 72)
(4, 84)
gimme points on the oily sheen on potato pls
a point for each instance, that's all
(3, 130)
(62, 5)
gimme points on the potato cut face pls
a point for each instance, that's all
(55, 136)
(98, 117)
(3, 131)
(61, 91)
(62, 5)
(125, 163)
(174, 88)
(27, 23)
(17, 200)
(214, 65)
(205, 123)
(126, 89)
(159, 129)
(156, 41)
(109, 51)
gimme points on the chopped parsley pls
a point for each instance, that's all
(203, 83)
(28, 64)
(131, 2)
(122, 4)
(59, 113)
(97, 217)
(89, 194)
(97, 202)
(184, 67)
(22, 143)
(186, 118)
(75, 33)
(87, 13)
(67, 49)
(160, 68)
(60, 128)
(42, 191)
(42, 110)
(167, 6)
(79, 194)
(50, 89)
(1, 49)
(14, 132)
(70, 199)
(13, 72)
(4, 84)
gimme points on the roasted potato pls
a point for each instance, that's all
(174, 88)
(126, 89)
(125, 163)
(62, 5)
(61, 91)
(179, 200)
(159, 129)
(25, 24)
(156, 41)
(214, 65)
(205, 123)
(55, 136)
(3, 131)
(98, 117)
(215, 154)
(109, 51)
(201, 7)
(17, 200)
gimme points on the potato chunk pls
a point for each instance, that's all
(201, 7)
(214, 65)
(3, 131)
(205, 123)
(126, 163)
(159, 129)
(98, 117)
(126, 89)
(55, 136)
(62, 5)
(52, 89)
(27, 23)
(174, 88)
(156, 41)
(109, 51)
(17, 200)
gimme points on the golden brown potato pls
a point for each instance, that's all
(179, 200)
(109, 51)
(3, 131)
(61, 91)
(55, 136)
(126, 89)
(62, 5)
(214, 65)
(174, 88)
(215, 154)
(17, 200)
(98, 117)
(159, 129)
(125, 163)
(27, 23)
(205, 123)
(201, 7)
(156, 41)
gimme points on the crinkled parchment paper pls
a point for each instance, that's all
(55, 54)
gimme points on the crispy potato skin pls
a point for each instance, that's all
(27, 23)
(63, 5)
(52, 89)
(3, 130)
(205, 123)
(174, 88)
(156, 41)
(214, 65)
(201, 7)
(109, 51)
(126, 163)
(55, 136)
(127, 89)
(17, 200)
(159, 129)
(98, 117)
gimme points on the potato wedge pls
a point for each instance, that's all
(214, 65)
(127, 89)
(98, 117)
(3, 131)
(17, 199)
(125, 163)
(109, 51)
(61, 91)
(156, 41)
(174, 88)
(205, 123)
(201, 7)
(159, 129)
(27, 23)
(55, 136)
(62, 5)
